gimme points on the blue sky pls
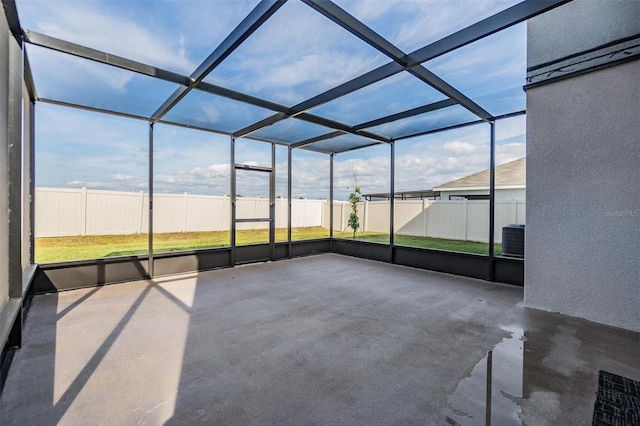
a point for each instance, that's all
(295, 55)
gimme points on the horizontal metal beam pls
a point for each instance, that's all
(93, 109)
(406, 114)
(258, 219)
(191, 126)
(443, 87)
(259, 125)
(311, 118)
(238, 96)
(510, 115)
(218, 132)
(74, 49)
(310, 141)
(501, 20)
(441, 129)
(357, 147)
(253, 168)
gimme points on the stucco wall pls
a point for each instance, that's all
(578, 26)
(4, 229)
(583, 237)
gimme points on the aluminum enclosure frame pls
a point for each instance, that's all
(399, 62)
(262, 12)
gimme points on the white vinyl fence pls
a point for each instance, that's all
(455, 219)
(69, 212)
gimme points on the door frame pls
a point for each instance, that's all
(272, 201)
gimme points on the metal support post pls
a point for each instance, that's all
(492, 196)
(289, 196)
(150, 234)
(392, 199)
(232, 196)
(272, 204)
(331, 160)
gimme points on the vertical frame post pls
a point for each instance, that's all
(331, 160)
(289, 200)
(150, 234)
(492, 196)
(272, 204)
(392, 199)
(232, 205)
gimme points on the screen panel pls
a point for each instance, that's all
(295, 55)
(426, 122)
(213, 112)
(173, 35)
(290, 131)
(490, 71)
(74, 80)
(394, 94)
(411, 25)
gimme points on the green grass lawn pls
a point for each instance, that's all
(60, 249)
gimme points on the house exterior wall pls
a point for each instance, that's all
(4, 161)
(583, 140)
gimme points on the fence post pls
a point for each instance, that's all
(305, 217)
(83, 210)
(425, 212)
(514, 211)
(141, 196)
(186, 204)
(465, 206)
(364, 216)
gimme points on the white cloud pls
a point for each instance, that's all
(458, 147)
(94, 25)
(298, 53)
(414, 24)
(509, 152)
(86, 184)
(486, 66)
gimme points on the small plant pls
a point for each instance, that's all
(354, 199)
(354, 221)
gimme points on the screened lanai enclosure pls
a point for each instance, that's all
(178, 140)
(324, 146)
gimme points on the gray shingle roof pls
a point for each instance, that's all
(507, 174)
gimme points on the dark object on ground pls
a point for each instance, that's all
(617, 402)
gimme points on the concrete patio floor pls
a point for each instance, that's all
(326, 339)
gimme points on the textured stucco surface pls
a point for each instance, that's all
(578, 26)
(583, 197)
(4, 81)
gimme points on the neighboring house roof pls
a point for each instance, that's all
(508, 175)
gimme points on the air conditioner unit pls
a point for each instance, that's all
(513, 240)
